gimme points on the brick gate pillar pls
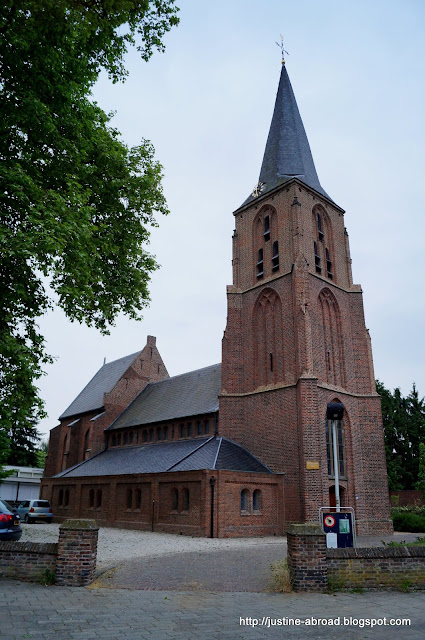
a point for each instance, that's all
(77, 551)
(307, 557)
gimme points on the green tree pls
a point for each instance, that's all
(4, 453)
(404, 430)
(76, 203)
(420, 484)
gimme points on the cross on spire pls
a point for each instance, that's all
(280, 45)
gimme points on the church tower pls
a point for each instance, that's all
(296, 343)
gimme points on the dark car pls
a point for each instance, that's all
(10, 528)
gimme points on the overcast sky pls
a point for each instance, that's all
(357, 70)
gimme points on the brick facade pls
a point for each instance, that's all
(295, 341)
(179, 502)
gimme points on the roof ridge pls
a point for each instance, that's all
(180, 375)
(191, 453)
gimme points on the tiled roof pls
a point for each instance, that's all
(188, 394)
(287, 154)
(91, 397)
(185, 455)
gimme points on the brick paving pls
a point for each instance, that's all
(34, 612)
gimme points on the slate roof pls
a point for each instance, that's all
(188, 394)
(287, 154)
(186, 455)
(91, 397)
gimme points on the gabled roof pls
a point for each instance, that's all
(188, 394)
(184, 455)
(287, 154)
(91, 397)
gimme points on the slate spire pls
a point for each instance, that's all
(287, 154)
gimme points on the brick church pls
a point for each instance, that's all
(245, 447)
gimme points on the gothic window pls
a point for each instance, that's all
(256, 500)
(267, 228)
(260, 263)
(129, 498)
(275, 256)
(320, 226)
(332, 342)
(339, 447)
(328, 264)
(185, 499)
(244, 500)
(86, 439)
(138, 499)
(268, 339)
(98, 498)
(175, 500)
(317, 259)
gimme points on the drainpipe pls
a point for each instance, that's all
(212, 483)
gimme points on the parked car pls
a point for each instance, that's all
(10, 524)
(32, 510)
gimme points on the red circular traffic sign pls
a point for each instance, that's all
(329, 521)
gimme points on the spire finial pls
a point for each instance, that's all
(280, 45)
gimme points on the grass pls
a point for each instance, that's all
(419, 542)
(280, 576)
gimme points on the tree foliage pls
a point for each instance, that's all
(404, 431)
(76, 203)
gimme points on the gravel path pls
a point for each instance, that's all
(116, 546)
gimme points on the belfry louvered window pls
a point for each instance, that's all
(328, 264)
(275, 256)
(267, 228)
(260, 264)
(317, 259)
(319, 226)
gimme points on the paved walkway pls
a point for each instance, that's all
(33, 612)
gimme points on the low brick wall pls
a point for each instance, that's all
(376, 568)
(307, 557)
(72, 560)
(27, 560)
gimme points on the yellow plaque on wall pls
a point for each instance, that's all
(313, 464)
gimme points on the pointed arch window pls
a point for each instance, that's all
(260, 263)
(317, 259)
(267, 228)
(320, 226)
(328, 265)
(275, 256)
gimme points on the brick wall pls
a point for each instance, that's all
(377, 568)
(72, 560)
(27, 560)
(307, 558)
(115, 501)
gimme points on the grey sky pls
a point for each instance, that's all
(357, 71)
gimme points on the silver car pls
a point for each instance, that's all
(32, 510)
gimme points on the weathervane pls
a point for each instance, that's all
(280, 45)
